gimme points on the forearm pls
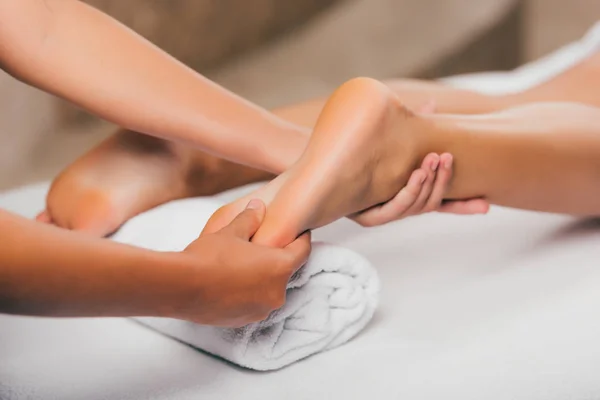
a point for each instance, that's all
(539, 158)
(52, 272)
(76, 52)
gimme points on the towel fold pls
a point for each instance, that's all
(329, 300)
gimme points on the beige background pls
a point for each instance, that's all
(402, 36)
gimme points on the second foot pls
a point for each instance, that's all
(130, 173)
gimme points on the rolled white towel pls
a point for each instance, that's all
(329, 300)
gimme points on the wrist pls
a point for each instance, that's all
(175, 290)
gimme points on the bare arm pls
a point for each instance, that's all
(76, 52)
(48, 271)
(220, 279)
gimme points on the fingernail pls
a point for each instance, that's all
(435, 163)
(448, 163)
(254, 204)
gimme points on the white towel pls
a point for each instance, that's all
(329, 300)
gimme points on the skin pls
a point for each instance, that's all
(366, 144)
(93, 195)
(59, 52)
(130, 173)
(125, 90)
(220, 279)
(573, 85)
(128, 87)
(136, 85)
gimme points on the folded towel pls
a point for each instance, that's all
(329, 300)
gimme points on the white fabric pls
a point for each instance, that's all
(329, 300)
(495, 307)
(534, 73)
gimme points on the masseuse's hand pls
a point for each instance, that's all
(242, 282)
(424, 191)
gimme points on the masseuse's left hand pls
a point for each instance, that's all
(423, 193)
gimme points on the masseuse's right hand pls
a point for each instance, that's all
(241, 282)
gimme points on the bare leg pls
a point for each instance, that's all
(130, 173)
(95, 195)
(542, 156)
(361, 153)
(366, 143)
(571, 86)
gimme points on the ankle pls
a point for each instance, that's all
(431, 138)
(445, 133)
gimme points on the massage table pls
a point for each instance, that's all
(502, 306)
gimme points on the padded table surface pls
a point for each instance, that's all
(496, 307)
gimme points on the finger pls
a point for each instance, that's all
(44, 217)
(248, 221)
(430, 165)
(397, 206)
(219, 220)
(299, 250)
(442, 181)
(465, 207)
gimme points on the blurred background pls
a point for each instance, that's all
(275, 52)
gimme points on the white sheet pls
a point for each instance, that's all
(502, 306)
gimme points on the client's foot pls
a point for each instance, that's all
(130, 173)
(363, 149)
